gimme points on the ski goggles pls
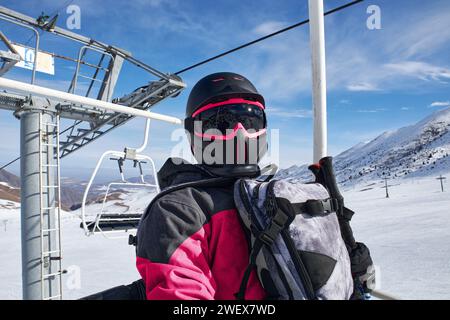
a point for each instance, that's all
(230, 115)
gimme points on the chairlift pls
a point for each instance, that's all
(109, 222)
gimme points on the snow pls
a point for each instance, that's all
(6, 185)
(102, 262)
(408, 235)
(417, 150)
(131, 200)
(7, 209)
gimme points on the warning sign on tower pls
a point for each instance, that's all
(45, 61)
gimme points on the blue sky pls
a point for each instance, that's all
(378, 80)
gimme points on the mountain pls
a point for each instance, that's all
(417, 150)
(9, 190)
(9, 178)
(71, 189)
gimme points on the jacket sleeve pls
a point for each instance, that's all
(172, 252)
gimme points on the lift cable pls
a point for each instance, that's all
(12, 161)
(298, 24)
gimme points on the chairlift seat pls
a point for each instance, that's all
(109, 222)
(111, 225)
(114, 222)
(121, 216)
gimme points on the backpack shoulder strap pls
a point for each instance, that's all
(204, 183)
(267, 237)
(268, 172)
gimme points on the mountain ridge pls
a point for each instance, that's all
(417, 150)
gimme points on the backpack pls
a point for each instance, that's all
(299, 235)
(295, 240)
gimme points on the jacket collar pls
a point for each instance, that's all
(177, 170)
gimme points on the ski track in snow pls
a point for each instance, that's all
(408, 235)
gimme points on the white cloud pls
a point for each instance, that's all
(289, 113)
(268, 27)
(440, 104)
(407, 51)
(421, 70)
(388, 76)
(367, 111)
(362, 87)
(151, 3)
(371, 110)
(280, 67)
(420, 34)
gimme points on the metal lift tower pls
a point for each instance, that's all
(43, 144)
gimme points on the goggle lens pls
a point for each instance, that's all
(225, 117)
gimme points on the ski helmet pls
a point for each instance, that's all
(225, 120)
(220, 86)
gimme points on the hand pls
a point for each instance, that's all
(364, 285)
(363, 272)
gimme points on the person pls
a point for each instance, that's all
(190, 243)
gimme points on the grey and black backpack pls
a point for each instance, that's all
(300, 240)
(299, 235)
(295, 240)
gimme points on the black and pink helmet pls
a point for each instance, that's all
(225, 116)
(220, 86)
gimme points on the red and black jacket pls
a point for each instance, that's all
(190, 242)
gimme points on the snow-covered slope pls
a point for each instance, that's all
(9, 178)
(100, 263)
(120, 200)
(72, 190)
(421, 149)
(94, 263)
(407, 235)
